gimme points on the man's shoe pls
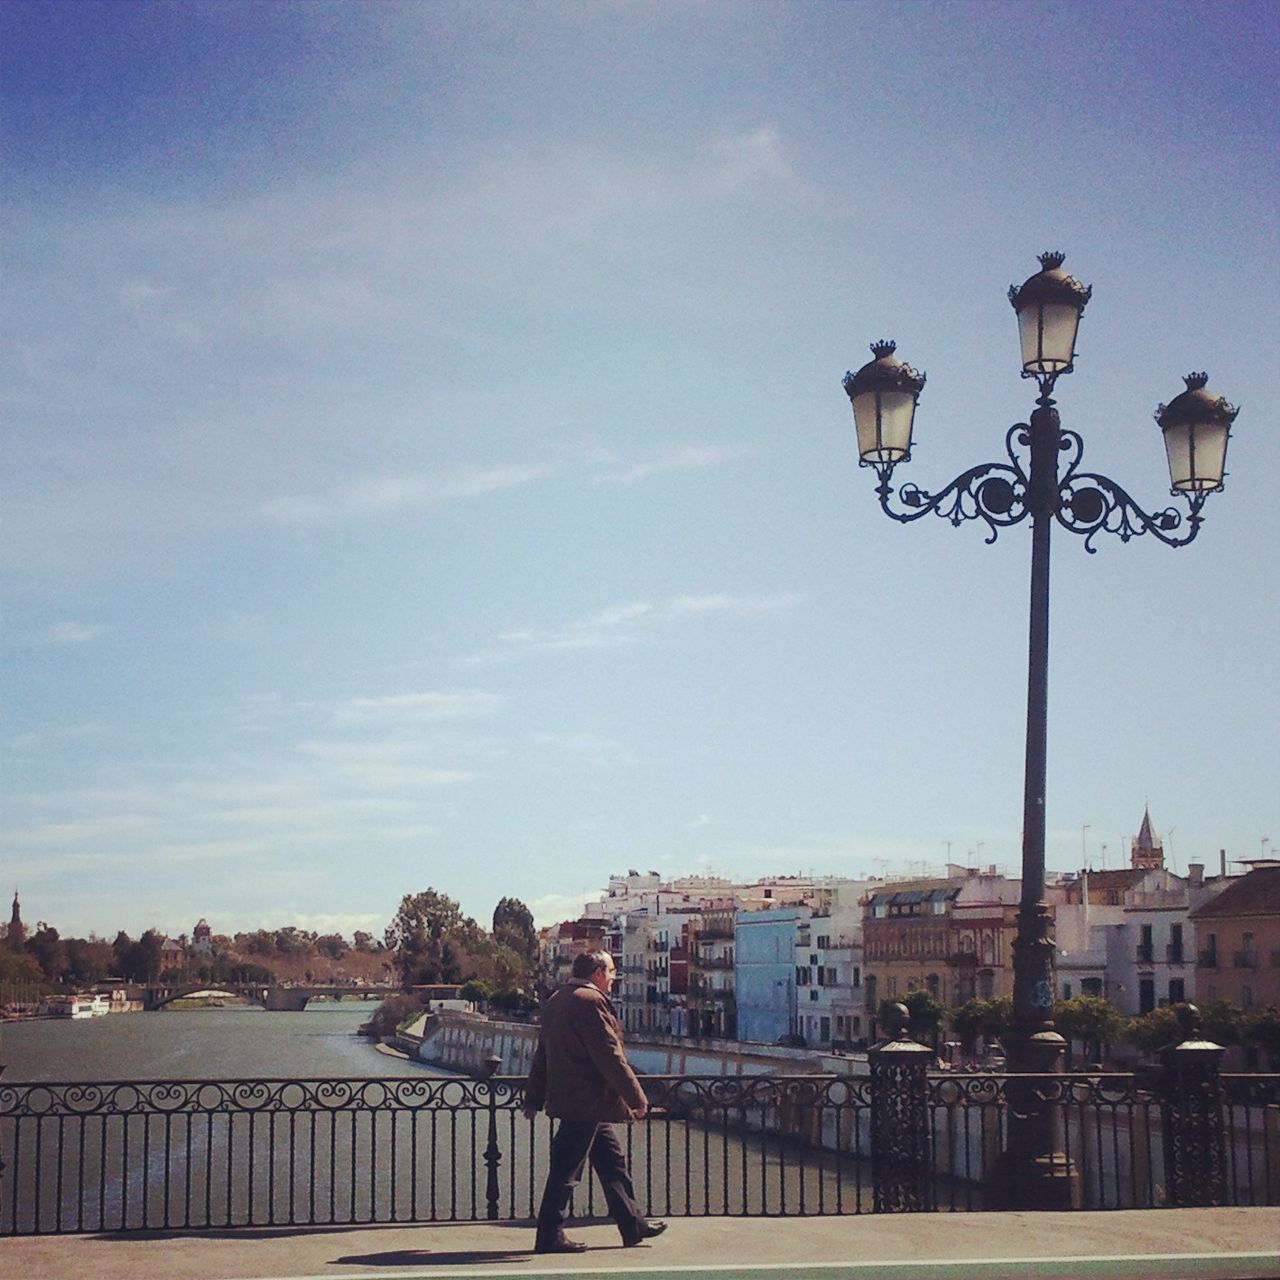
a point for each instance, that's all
(562, 1245)
(647, 1231)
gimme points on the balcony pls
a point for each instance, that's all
(1245, 960)
(1207, 960)
(1275, 959)
(1146, 954)
(1173, 953)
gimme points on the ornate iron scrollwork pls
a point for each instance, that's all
(1090, 504)
(1086, 503)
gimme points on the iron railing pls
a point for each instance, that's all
(237, 1153)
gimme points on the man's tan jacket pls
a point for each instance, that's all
(580, 1069)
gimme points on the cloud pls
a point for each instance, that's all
(552, 908)
(625, 624)
(411, 708)
(53, 737)
(754, 157)
(67, 633)
(380, 766)
(378, 496)
(688, 457)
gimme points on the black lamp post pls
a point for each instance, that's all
(1196, 427)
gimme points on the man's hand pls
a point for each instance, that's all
(639, 1113)
(531, 1113)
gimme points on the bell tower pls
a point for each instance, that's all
(1146, 849)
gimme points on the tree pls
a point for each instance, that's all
(513, 927)
(431, 938)
(926, 1013)
(49, 952)
(1091, 1019)
(332, 945)
(120, 950)
(1220, 1021)
(1261, 1030)
(138, 961)
(365, 941)
(988, 1019)
(18, 966)
(88, 960)
(477, 991)
(1153, 1031)
(393, 1013)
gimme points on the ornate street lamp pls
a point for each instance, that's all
(1034, 484)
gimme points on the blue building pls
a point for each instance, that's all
(765, 972)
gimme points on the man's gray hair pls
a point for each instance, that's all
(588, 962)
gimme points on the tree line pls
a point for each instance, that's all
(428, 941)
(1097, 1023)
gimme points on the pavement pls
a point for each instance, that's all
(1151, 1244)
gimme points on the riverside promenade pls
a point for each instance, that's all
(1152, 1244)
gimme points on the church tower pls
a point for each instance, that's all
(1146, 849)
(17, 934)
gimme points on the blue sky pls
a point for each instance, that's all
(425, 461)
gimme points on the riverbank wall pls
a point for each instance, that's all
(463, 1041)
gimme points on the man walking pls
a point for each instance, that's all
(581, 1075)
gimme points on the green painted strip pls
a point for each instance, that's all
(1261, 1265)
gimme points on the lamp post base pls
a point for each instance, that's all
(1034, 1171)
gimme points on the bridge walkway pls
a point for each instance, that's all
(1153, 1244)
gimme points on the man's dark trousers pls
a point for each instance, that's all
(573, 1142)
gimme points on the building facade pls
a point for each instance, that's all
(1237, 938)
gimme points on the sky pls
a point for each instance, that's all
(425, 462)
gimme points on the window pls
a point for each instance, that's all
(857, 975)
(822, 976)
(824, 1030)
(1177, 991)
(1175, 944)
(813, 959)
(1091, 986)
(824, 941)
(1146, 995)
(802, 977)
(813, 995)
(831, 976)
(1066, 991)
(1246, 997)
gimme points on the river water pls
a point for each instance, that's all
(234, 1135)
(199, 1044)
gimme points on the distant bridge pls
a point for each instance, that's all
(269, 995)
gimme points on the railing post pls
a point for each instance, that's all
(900, 1167)
(492, 1156)
(1195, 1164)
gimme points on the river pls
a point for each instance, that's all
(213, 1142)
(199, 1044)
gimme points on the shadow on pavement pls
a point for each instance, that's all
(228, 1233)
(430, 1258)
